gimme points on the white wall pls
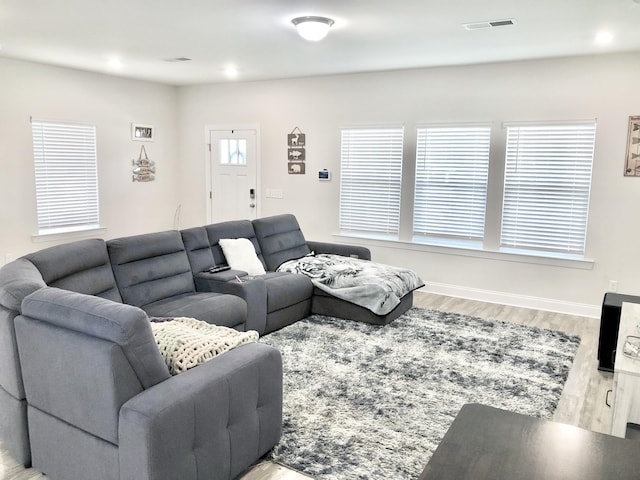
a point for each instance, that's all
(603, 87)
(112, 104)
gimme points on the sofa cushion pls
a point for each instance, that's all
(81, 266)
(198, 248)
(231, 229)
(241, 255)
(219, 309)
(17, 280)
(280, 239)
(286, 289)
(118, 323)
(150, 267)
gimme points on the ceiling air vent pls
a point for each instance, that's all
(177, 59)
(488, 24)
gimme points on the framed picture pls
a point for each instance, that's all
(142, 133)
(632, 160)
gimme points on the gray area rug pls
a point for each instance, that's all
(371, 402)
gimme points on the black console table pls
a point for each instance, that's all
(486, 443)
(609, 325)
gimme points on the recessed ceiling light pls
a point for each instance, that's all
(231, 71)
(604, 38)
(115, 63)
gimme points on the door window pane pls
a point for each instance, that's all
(233, 151)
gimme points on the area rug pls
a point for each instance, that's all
(373, 402)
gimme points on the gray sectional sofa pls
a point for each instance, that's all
(78, 360)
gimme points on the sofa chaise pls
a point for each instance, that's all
(164, 274)
(275, 299)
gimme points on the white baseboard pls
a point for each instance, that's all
(570, 308)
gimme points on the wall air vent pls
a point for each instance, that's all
(489, 24)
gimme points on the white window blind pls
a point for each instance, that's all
(66, 176)
(547, 186)
(452, 168)
(370, 180)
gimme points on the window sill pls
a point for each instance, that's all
(469, 248)
(68, 234)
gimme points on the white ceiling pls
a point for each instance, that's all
(257, 35)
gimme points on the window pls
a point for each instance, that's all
(233, 151)
(541, 213)
(66, 176)
(452, 168)
(371, 180)
(547, 185)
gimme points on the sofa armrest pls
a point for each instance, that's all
(253, 291)
(211, 422)
(340, 249)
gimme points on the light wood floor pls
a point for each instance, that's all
(582, 402)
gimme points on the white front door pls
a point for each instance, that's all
(234, 194)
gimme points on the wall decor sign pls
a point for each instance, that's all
(296, 153)
(296, 168)
(144, 170)
(142, 133)
(632, 162)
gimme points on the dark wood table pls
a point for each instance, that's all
(488, 443)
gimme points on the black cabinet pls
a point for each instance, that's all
(609, 323)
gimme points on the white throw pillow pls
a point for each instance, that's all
(241, 255)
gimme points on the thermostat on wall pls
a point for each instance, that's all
(324, 175)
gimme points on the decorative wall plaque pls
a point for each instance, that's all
(632, 162)
(296, 153)
(143, 168)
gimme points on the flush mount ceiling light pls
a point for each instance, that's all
(313, 28)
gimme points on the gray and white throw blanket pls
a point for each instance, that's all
(371, 285)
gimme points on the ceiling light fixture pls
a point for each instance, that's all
(115, 63)
(604, 38)
(313, 29)
(231, 71)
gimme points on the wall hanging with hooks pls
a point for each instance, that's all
(296, 154)
(143, 168)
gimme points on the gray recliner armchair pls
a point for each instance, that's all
(102, 404)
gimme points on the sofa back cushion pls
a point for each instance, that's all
(17, 280)
(232, 229)
(199, 251)
(199, 240)
(83, 357)
(81, 266)
(150, 267)
(280, 239)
